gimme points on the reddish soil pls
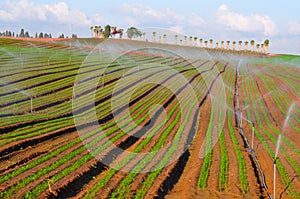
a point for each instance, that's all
(178, 180)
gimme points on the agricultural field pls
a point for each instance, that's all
(72, 126)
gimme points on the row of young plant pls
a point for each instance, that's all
(77, 152)
(290, 76)
(224, 166)
(270, 85)
(279, 98)
(20, 135)
(282, 99)
(112, 128)
(54, 165)
(63, 93)
(256, 109)
(280, 88)
(291, 160)
(151, 178)
(123, 186)
(244, 185)
(205, 169)
(39, 129)
(26, 130)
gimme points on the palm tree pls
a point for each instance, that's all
(246, 45)
(227, 47)
(191, 40)
(154, 37)
(201, 40)
(222, 44)
(97, 30)
(210, 43)
(257, 47)
(195, 41)
(252, 42)
(240, 45)
(262, 47)
(233, 45)
(217, 45)
(185, 38)
(165, 38)
(122, 31)
(180, 41)
(266, 43)
(159, 39)
(205, 42)
(92, 28)
(175, 39)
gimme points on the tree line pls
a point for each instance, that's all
(112, 31)
(25, 34)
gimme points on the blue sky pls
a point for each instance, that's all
(232, 20)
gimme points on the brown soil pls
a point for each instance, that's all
(187, 184)
(178, 180)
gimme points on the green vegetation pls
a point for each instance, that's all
(44, 73)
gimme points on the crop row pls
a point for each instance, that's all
(258, 119)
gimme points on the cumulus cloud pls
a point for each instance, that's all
(294, 28)
(58, 12)
(139, 14)
(144, 13)
(140, 10)
(239, 22)
(195, 20)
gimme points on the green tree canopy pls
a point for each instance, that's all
(266, 42)
(41, 35)
(133, 32)
(106, 32)
(22, 33)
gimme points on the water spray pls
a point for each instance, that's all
(31, 105)
(274, 166)
(288, 116)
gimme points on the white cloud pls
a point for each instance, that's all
(97, 19)
(138, 14)
(58, 12)
(140, 10)
(144, 14)
(239, 22)
(195, 20)
(294, 28)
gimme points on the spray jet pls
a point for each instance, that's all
(274, 165)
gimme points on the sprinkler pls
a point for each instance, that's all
(252, 143)
(274, 194)
(274, 166)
